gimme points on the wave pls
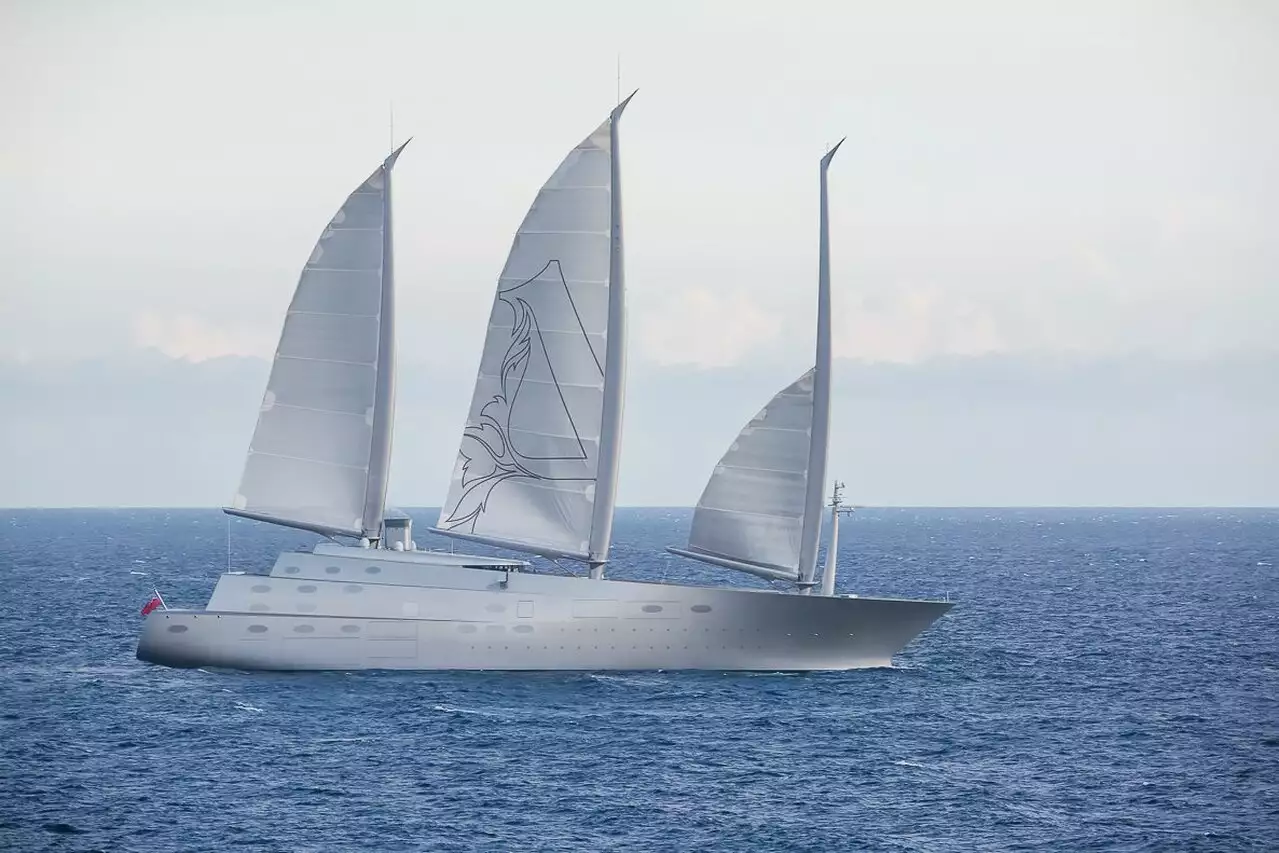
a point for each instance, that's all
(451, 709)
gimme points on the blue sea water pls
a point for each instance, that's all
(1109, 681)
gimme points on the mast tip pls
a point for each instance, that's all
(830, 155)
(394, 155)
(617, 110)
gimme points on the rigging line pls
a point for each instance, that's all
(228, 543)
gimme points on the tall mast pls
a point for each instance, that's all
(384, 399)
(820, 440)
(614, 366)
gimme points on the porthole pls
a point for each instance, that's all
(261, 587)
(292, 570)
(701, 608)
(373, 570)
(307, 607)
(353, 588)
(523, 629)
(177, 629)
(304, 629)
(257, 629)
(350, 629)
(652, 608)
(495, 608)
(307, 588)
(331, 570)
(467, 629)
(260, 607)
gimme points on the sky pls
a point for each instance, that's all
(1055, 276)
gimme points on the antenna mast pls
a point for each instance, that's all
(837, 509)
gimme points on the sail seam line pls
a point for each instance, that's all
(326, 360)
(584, 439)
(333, 314)
(594, 233)
(560, 384)
(555, 485)
(552, 280)
(749, 513)
(307, 459)
(753, 468)
(360, 415)
(551, 331)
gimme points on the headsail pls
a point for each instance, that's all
(537, 465)
(321, 450)
(761, 510)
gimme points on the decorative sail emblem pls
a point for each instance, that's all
(492, 448)
(543, 427)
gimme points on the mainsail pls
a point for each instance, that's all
(761, 510)
(537, 466)
(321, 451)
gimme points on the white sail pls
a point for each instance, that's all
(752, 510)
(320, 453)
(761, 510)
(537, 465)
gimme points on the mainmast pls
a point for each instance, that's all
(614, 366)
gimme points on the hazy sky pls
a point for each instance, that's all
(1040, 186)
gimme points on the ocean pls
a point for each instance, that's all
(1109, 681)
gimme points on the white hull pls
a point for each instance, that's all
(350, 609)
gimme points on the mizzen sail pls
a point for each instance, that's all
(536, 469)
(321, 449)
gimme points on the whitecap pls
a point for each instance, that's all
(449, 709)
(629, 680)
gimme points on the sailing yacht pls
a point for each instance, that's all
(536, 473)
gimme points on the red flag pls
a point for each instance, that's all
(151, 605)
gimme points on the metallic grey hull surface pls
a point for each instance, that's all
(323, 612)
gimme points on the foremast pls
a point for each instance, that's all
(819, 444)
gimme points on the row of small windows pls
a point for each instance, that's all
(307, 588)
(262, 629)
(334, 570)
